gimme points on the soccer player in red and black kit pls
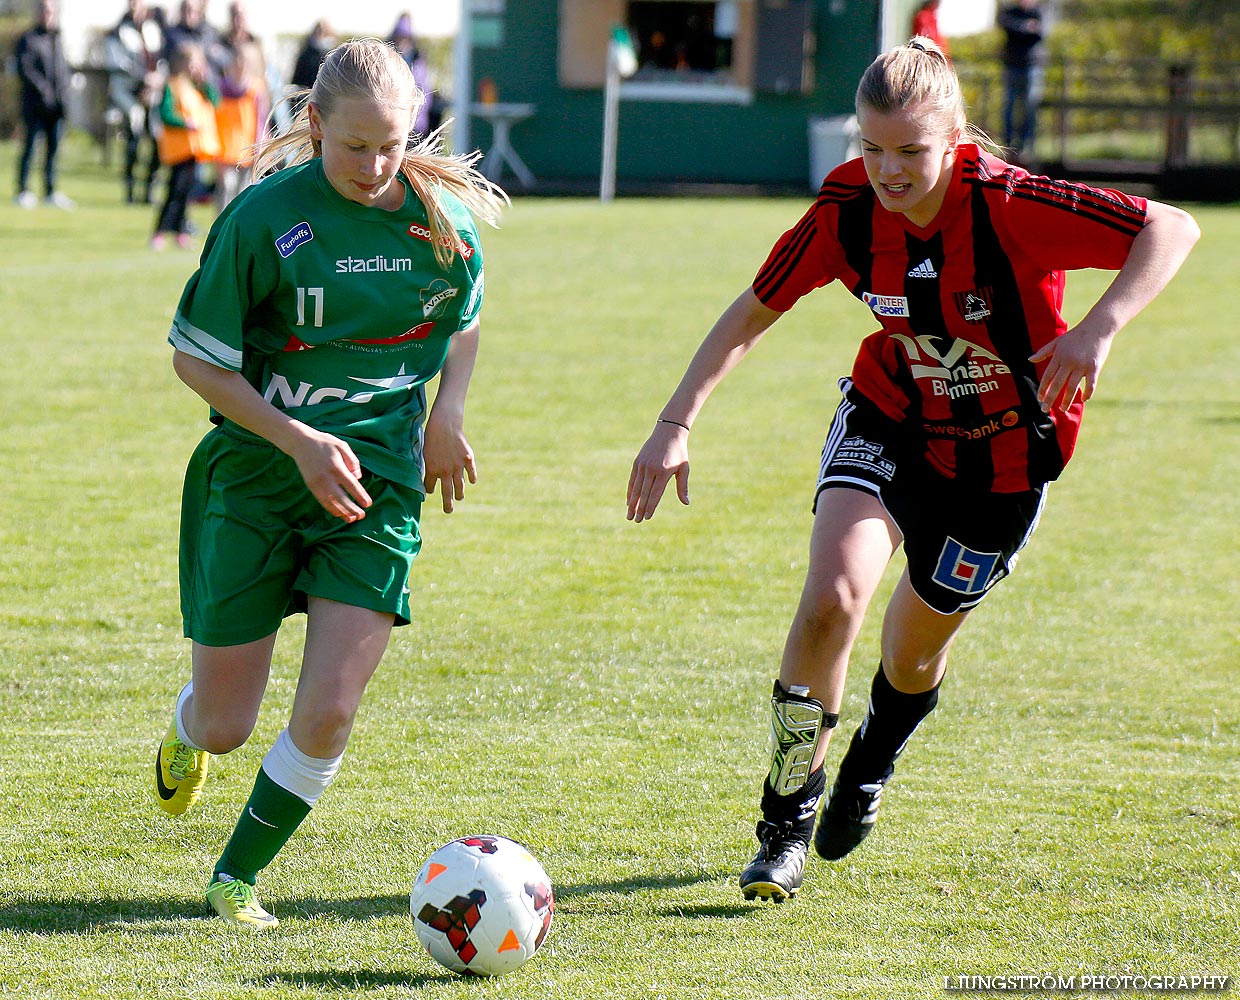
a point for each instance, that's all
(959, 410)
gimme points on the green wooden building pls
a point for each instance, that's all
(725, 93)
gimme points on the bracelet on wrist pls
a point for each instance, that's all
(674, 423)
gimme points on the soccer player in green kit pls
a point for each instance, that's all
(327, 296)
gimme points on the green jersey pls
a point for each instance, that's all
(337, 313)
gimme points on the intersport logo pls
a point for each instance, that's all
(886, 305)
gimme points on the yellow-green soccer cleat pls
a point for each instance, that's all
(234, 900)
(180, 773)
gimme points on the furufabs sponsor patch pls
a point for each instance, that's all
(295, 237)
(886, 305)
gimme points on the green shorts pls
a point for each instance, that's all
(255, 543)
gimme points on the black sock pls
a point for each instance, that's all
(797, 807)
(888, 724)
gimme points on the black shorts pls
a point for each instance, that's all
(958, 542)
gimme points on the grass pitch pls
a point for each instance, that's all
(597, 689)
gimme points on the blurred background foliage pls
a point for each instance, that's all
(1119, 56)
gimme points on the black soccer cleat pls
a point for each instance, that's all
(776, 871)
(847, 819)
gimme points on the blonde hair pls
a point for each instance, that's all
(918, 72)
(373, 69)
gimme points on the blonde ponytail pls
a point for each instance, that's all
(432, 171)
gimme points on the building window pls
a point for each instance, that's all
(676, 40)
(687, 50)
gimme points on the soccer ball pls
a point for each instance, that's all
(482, 905)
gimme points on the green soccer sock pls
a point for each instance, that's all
(269, 819)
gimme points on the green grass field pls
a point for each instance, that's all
(597, 689)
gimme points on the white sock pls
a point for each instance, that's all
(305, 776)
(180, 716)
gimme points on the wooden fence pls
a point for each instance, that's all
(1172, 126)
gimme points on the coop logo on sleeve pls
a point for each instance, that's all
(964, 570)
(459, 245)
(886, 305)
(295, 237)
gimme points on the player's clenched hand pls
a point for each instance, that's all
(664, 455)
(332, 473)
(1075, 357)
(449, 460)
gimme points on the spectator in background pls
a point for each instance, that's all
(238, 121)
(405, 42)
(1022, 73)
(193, 29)
(239, 40)
(132, 50)
(926, 24)
(317, 44)
(244, 104)
(188, 137)
(44, 77)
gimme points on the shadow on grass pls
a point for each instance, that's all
(355, 908)
(635, 883)
(48, 915)
(713, 911)
(350, 982)
(60, 916)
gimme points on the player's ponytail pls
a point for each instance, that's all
(370, 68)
(918, 72)
(431, 171)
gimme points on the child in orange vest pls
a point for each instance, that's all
(237, 120)
(188, 136)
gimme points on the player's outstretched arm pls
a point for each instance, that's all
(1078, 356)
(666, 452)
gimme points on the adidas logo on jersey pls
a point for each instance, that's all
(924, 270)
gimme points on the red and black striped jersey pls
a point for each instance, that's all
(962, 305)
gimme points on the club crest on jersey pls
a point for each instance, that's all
(435, 298)
(295, 237)
(974, 305)
(964, 570)
(886, 305)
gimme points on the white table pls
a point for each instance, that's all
(502, 117)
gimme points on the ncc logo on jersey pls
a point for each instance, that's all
(965, 570)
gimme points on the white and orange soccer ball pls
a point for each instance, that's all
(482, 905)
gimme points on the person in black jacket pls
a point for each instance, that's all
(132, 51)
(315, 46)
(44, 76)
(1022, 72)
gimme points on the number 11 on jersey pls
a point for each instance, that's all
(317, 295)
